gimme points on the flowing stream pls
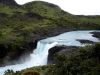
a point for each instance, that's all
(40, 54)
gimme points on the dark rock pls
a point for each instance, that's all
(59, 49)
(9, 2)
(8, 57)
(96, 34)
(3, 51)
(85, 41)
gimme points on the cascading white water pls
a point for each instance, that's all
(37, 58)
(40, 54)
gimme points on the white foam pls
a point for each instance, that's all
(40, 54)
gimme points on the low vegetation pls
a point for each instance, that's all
(21, 25)
(84, 61)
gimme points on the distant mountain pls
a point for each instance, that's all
(8, 2)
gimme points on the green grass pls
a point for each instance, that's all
(84, 61)
(21, 25)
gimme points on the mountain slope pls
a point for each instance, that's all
(8, 2)
(22, 25)
(45, 9)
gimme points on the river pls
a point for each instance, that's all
(40, 54)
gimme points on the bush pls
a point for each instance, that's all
(30, 73)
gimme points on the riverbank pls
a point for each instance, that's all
(60, 50)
(40, 54)
(80, 61)
(21, 26)
(96, 34)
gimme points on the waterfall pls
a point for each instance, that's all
(40, 54)
(37, 58)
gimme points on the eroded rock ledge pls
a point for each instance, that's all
(85, 41)
(96, 34)
(59, 49)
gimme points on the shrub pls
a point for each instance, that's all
(30, 73)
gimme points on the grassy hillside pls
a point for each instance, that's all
(21, 26)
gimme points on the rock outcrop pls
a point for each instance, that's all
(96, 34)
(9, 2)
(59, 49)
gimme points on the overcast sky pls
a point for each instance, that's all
(78, 7)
